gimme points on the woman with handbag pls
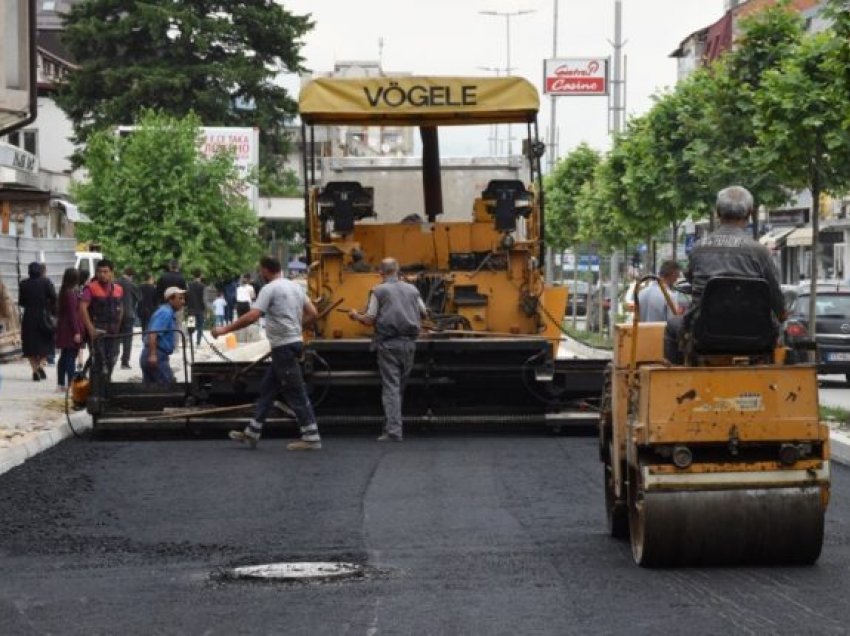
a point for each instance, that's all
(69, 328)
(37, 299)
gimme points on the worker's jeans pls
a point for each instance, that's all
(159, 374)
(284, 377)
(395, 362)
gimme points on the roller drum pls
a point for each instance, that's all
(771, 526)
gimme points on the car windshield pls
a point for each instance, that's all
(828, 305)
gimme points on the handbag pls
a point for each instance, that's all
(48, 321)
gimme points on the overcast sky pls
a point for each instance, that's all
(450, 37)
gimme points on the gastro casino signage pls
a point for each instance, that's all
(576, 76)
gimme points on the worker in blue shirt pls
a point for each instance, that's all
(159, 338)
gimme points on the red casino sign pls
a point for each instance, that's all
(576, 76)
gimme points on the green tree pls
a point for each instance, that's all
(718, 106)
(152, 196)
(659, 172)
(562, 188)
(603, 207)
(803, 127)
(177, 56)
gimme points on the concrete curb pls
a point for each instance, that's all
(839, 443)
(42, 440)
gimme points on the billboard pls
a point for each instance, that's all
(244, 143)
(576, 76)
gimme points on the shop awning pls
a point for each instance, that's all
(774, 238)
(802, 236)
(71, 211)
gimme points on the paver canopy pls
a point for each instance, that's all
(418, 101)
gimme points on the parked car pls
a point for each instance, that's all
(577, 293)
(832, 334)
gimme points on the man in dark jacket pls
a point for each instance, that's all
(147, 300)
(729, 251)
(172, 277)
(131, 299)
(195, 304)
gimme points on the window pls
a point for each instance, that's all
(48, 5)
(26, 140)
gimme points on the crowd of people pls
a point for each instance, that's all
(70, 322)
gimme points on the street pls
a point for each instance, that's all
(459, 533)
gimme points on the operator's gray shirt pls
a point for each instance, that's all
(282, 302)
(653, 306)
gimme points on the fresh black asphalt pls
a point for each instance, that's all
(460, 534)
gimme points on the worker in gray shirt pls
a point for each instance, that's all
(287, 309)
(395, 310)
(653, 306)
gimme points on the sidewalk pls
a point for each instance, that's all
(32, 414)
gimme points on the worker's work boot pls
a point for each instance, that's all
(386, 437)
(304, 445)
(250, 436)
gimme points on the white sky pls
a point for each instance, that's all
(449, 37)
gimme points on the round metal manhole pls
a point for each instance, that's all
(297, 571)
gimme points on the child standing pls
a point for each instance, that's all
(219, 307)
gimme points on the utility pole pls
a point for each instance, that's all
(616, 127)
(494, 128)
(552, 99)
(552, 153)
(508, 15)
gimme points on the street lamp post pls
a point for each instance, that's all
(508, 15)
(494, 128)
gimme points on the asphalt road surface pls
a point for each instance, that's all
(461, 534)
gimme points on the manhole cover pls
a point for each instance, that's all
(300, 571)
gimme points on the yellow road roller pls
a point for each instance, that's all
(723, 460)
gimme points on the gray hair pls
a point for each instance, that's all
(389, 266)
(734, 202)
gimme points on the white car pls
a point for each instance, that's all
(87, 261)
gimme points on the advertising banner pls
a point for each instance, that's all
(576, 76)
(244, 143)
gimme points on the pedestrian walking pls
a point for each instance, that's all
(287, 311)
(101, 310)
(229, 290)
(395, 310)
(147, 300)
(159, 340)
(195, 305)
(245, 295)
(37, 299)
(219, 309)
(69, 328)
(171, 277)
(132, 296)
